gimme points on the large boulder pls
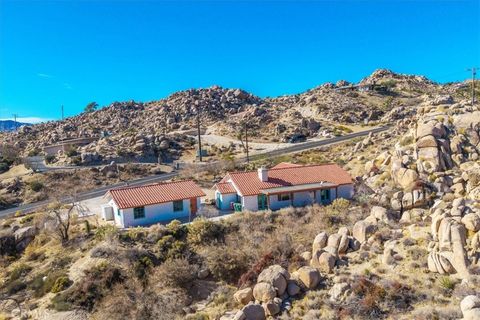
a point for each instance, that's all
(471, 222)
(362, 230)
(309, 277)
(406, 178)
(277, 276)
(320, 241)
(470, 307)
(243, 296)
(253, 311)
(264, 292)
(326, 262)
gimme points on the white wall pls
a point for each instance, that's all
(157, 213)
(345, 191)
(117, 214)
(250, 203)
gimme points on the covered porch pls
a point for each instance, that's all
(297, 196)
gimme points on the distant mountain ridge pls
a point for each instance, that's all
(10, 125)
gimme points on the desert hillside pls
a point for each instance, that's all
(407, 246)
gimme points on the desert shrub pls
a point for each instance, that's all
(44, 283)
(225, 263)
(19, 271)
(250, 277)
(15, 286)
(61, 283)
(97, 284)
(142, 266)
(170, 248)
(35, 185)
(132, 235)
(446, 283)
(72, 152)
(50, 158)
(105, 232)
(175, 273)
(176, 229)
(27, 219)
(4, 167)
(203, 232)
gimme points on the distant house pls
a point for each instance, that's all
(283, 185)
(66, 145)
(146, 205)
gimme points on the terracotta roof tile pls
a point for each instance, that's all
(132, 197)
(282, 165)
(248, 183)
(225, 188)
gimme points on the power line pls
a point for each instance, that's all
(474, 73)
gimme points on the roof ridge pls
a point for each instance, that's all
(287, 168)
(150, 185)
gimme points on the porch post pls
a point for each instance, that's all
(268, 201)
(291, 199)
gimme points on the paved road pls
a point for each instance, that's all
(100, 191)
(89, 194)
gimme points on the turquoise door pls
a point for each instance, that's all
(219, 201)
(262, 202)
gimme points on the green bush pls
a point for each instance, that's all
(176, 229)
(61, 283)
(4, 167)
(142, 266)
(203, 232)
(27, 219)
(35, 185)
(71, 153)
(20, 271)
(50, 158)
(170, 248)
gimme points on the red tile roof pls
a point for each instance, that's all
(248, 183)
(282, 165)
(132, 197)
(225, 188)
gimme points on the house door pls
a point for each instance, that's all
(193, 205)
(219, 201)
(262, 202)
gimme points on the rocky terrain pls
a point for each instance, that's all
(163, 130)
(406, 247)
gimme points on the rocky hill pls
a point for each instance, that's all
(406, 247)
(159, 129)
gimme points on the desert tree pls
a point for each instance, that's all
(62, 215)
(92, 106)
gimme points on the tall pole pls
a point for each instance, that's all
(474, 73)
(62, 112)
(246, 141)
(15, 121)
(199, 138)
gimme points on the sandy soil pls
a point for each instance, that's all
(15, 171)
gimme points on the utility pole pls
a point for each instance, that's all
(474, 73)
(246, 140)
(199, 138)
(15, 121)
(62, 113)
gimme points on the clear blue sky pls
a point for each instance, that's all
(74, 52)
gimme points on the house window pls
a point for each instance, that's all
(177, 205)
(284, 197)
(139, 213)
(325, 194)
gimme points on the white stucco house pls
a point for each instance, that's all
(283, 185)
(149, 204)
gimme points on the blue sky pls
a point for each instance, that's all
(74, 52)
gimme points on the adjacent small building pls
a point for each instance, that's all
(150, 204)
(283, 185)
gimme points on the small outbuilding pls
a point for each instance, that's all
(150, 204)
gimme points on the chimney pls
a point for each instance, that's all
(263, 174)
